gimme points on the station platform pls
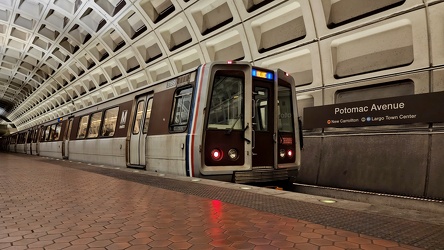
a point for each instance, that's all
(57, 204)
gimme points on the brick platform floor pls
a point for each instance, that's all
(47, 206)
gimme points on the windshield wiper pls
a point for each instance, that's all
(232, 126)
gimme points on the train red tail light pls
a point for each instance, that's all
(216, 154)
(290, 153)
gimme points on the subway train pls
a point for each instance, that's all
(223, 120)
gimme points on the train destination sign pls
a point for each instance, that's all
(424, 108)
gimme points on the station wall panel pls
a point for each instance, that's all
(436, 26)
(149, 49)
(398, 85)
(160, 71)
(132, 24)
(229, 45)
(350, 162)
(135, 81)
(436, 172)
(113, 40)
(211, 17)
(438, 80)
(306, 100)
(333, 17)
(285, 26)
(157, 12)
(188, 59)
(128, 61)
(310, 160)
(121, 87)
(248, 8)
(437, 85)
(176, 35)
(390, 46)
(302, 64)
(112, 70)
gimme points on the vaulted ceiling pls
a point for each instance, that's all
(58, 56)
(61, 56)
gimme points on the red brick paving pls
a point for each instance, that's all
(46, 206)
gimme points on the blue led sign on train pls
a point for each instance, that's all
(262, 74)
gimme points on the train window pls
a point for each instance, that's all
(94, 125)
(29, 137)
(56, 134)
(181, 110)
(82, 127)
(52, 132)
(42, 133)
(285, 109)
(139, 113)
(109, 122)
(147, 116)
(227, 104)
(261, 117)
(47, 133)
(36, 132)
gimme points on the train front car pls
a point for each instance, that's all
(249, 129)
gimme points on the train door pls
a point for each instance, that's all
(263, 129)
(65, 143)
(139, 130)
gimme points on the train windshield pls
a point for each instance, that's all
(227, 102)
(285, 109)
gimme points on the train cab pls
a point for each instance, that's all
(250, 128)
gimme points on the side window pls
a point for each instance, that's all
(94, 125)
(82, 127)
(42, 133)
(34, 135)
(47, 132)
(261, 113)
(109, 122)
(285, 109)
(147, 116)
(52, 132)
(56, 134)
(181, 110)
(29, 137)
(139, 112)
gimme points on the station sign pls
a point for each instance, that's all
(419, 108)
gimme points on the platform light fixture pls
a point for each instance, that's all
(328, 201)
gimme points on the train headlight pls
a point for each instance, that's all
(216, 154)
(290, 153)
(282, 153)
(232, 153)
